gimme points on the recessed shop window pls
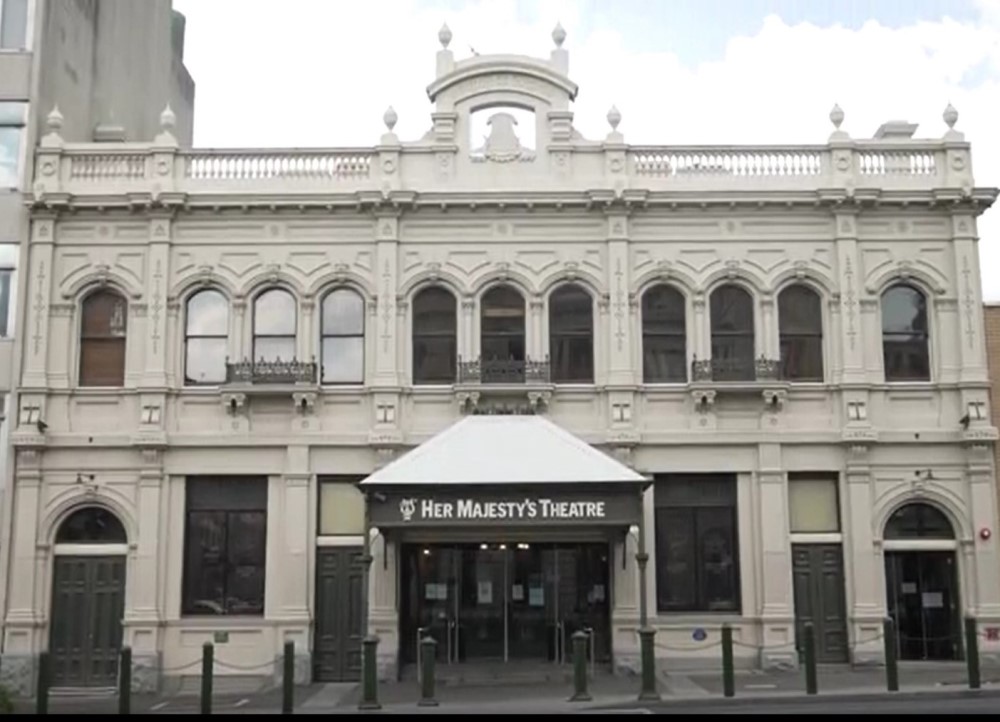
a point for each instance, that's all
(697, 550)
(225, 546)
(341, 506)
(813, 506)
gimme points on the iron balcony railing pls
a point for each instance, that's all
(503, 371)
(271, 372)
(736, 369)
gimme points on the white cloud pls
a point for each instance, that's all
(322, 73)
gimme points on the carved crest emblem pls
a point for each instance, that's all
(407, 507)
(502, 145)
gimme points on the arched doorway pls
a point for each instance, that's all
(922, 583)
(88, 599)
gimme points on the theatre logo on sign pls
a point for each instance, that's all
(525, 509)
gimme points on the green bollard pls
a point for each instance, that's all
(728, 679)
(428, 652)
(42, 690)
(891, 663)
(648, 661)
(369, 674)
(125, 681)
(207, 665)
(288, 679)
(972, 652)
(810, 645)
(580, 693)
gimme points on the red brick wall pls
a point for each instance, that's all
(992, 317)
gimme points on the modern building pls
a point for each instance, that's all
(542, 359)
(111, 66)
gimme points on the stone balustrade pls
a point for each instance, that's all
(162, 168)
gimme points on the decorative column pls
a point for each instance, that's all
(293, 566)
(38, 297)
(700, 333)
(387, 239)
(620, 367)
(868, 605)
(307, 332)
(852, 360)
(536, 347)
(768, 327)
(143, 615)
(970, 341)
(777, 615)
(468, 344)
(239, 346)
(23, 630)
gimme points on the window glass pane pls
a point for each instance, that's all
(664, 359)
(343, 313)
(274, 349)
(504, 348)
(5, 277)
(102, 362)
(206, 361)
(205, 563)
(10, 155)
(800, 311)
(104, 315)
(13, 24)
(812, 505)
(434, 312)
(663, 311)
(227, 493)
(434, 359)
(502, 311)
(571, 311)
(717, 558)
(905, 358)
(904, 310)
(572, 359)
(91, 525)
(343, 360)
(341, 509)
(802, 358)
(274, 314)
(208, 314)
(918, 521)
(732, 310)
(676, 573)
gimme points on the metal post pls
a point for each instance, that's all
(428, 653)
(972, 652)
(125, 681)
(891, 665)
(580, 693)
(207, 664)
(646, 633)
(288, 679)
(42, 689)
(728, 680)
(810, 645)
(369, 674)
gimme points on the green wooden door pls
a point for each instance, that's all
(88, 600)
(338, 633)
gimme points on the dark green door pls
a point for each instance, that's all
(88, 600)
(818, 574)
(338, 634)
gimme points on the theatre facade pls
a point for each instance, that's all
(498, 384)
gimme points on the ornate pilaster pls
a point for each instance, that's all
(852, 361)
(157, 282)
(387, 241)
(619, 319)
(38, 298)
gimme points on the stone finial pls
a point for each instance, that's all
(950, 116)
(444, 36)
(54, 120)
(836, 116)
(559, 35)
(168, 119)
(390, 118)
(614, 118)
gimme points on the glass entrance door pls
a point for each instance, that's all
(505, 601)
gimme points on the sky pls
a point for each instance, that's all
(323, 72)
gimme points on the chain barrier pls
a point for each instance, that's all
(189, 665)
(250, 668)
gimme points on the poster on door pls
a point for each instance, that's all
(485, 592)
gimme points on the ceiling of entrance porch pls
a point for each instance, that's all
(503, 450)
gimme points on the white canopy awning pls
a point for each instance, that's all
(503, 450)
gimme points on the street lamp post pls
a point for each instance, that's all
(647, 634)
(369, 682)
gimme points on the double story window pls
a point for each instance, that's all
(274, 325)
(571, 335)
(206, 338)
(104, 319)
(435, 342)
(732, 334)
(343, 337)
(800, 330)
(905, 338)
(664, 342)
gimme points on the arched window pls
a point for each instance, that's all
(918, 521)
(205, 336)
(905, 351)
(91, 525)
(343, 337)
(800, 332)
(502, 335)
(664, 348)
(571, 335)
(732, 334)
(274, 323)
(102, 339)
(435, 345)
